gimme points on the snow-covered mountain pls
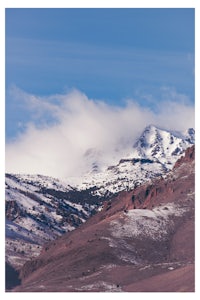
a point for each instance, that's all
(163, 145)
(154, 153)
(40, 208)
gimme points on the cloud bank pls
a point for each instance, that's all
(83, 129)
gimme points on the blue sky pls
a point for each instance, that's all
(107, 54)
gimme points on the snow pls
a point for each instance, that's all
(124, 177)
(161, 144)
(78, 207)
(102, 286)
(152, 223)
(25, 181)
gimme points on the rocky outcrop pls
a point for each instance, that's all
(188, 156)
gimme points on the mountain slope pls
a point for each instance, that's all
(136, 243)
(38, 209)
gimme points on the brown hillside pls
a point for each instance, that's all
(142, 240)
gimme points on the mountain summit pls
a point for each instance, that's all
(162, 144)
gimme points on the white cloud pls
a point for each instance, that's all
(81, 124)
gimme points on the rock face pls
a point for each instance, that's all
(142, 240)
(189, 155)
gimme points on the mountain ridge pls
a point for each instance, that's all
(40, 208)
(135, 243)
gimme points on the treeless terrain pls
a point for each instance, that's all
(142, 241)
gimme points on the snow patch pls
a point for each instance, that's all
(152, 223)
(102, 286)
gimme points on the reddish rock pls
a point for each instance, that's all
(188, 156)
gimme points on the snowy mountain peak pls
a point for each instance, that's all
(154, 144)
(162, 144)
(148, 137)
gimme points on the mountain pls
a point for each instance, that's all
(153, 154)
(163, 145)
(38, 209)
(41, 208)
(141, 241)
